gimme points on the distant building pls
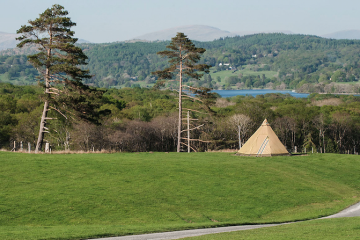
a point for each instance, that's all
(225, 64)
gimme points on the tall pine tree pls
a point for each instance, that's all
(183, 57)
(58, 62)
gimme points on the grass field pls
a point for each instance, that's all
(244, 72)
(76, 196)
(330, 229)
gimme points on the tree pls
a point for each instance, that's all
(321, 125)
(58, 62)
(183, 56)
(242, 125)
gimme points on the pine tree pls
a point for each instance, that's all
(183, 56)
(58, 62)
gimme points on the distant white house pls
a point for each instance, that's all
(225, 64)
(254, 56)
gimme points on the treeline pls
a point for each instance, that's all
(145, 120)
(297, 59)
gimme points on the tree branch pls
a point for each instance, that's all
(190, 146)
(58, 111)
(193, 128)
(198, 140)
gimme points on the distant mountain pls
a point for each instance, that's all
(194, 32)
(7, 40)
(82, 41)
(347, 34)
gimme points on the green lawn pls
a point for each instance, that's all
(330, 229)
(245, 72)
(75, 196)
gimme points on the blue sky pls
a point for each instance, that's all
(118, 20)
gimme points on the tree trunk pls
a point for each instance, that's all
(239, 137)
(188, 130)
(46, 106)
(42, 128)
(180, 104)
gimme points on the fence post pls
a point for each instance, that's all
(47, 147)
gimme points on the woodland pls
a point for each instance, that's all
(301, 62)
(144, 119)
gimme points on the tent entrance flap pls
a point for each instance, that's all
(263, 146)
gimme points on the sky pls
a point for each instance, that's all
(119, 20)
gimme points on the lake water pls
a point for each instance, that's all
(255, 92)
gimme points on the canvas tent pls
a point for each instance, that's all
(263, 142)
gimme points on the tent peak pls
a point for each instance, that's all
(265, 123)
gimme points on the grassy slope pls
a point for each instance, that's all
(78, 196)
(245, 72)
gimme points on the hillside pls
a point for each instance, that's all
(302, 62)
(81, 196)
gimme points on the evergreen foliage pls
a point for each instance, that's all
(58, 62)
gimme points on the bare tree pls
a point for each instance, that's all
(166, 131)
(341, 126)
(320, 123)
(242, 124)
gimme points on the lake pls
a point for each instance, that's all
(255, 92)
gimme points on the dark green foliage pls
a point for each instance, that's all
(299, 59)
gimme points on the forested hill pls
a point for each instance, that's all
(303, 62)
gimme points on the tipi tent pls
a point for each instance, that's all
(263, 142)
